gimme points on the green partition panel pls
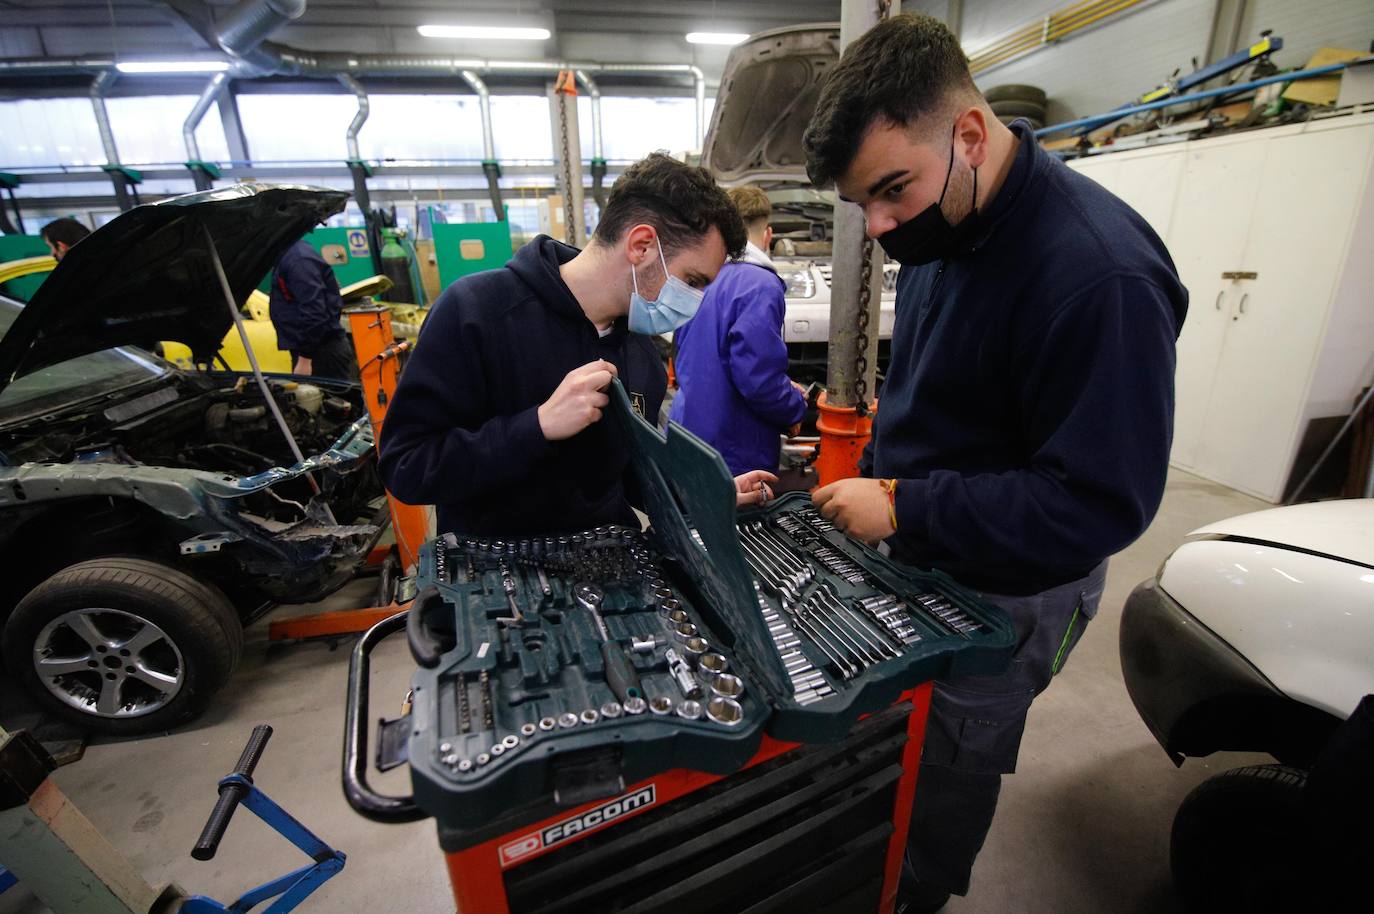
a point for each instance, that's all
(345, 249)
(470, 247)
(17, 247)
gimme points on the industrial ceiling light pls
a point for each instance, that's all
(172, 66)
(725, 38)
(495, 33)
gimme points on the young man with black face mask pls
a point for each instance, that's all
(1027, 413)
(496, 420)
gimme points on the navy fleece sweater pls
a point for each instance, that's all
(462, 432)
(1028, 408)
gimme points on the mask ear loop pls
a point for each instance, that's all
(950, 169)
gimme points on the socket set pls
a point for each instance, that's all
(610, 650)
(534, 649)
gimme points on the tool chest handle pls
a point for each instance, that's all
(365, 801)
(424, 647)
(230, 795)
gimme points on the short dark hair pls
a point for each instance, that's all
(901, 70)
(64, 230)
(680, 201)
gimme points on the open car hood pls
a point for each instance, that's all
(767, 95)
(147, 275)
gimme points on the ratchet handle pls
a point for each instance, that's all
(230, 795)
(620, 672)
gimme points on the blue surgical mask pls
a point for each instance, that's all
(675, 305)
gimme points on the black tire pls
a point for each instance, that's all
(194, 641)
(1239, 842)
(1019, 109)
(1035, 124)
(1014, 92)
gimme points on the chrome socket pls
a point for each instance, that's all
(497, 750)
(635, 705)
(483, 758)
(661, 704)
(567, 720)
(528, 730)
(725, 711)
(510, 742)
(590, 716)
(727, 685)
(465, 765)
(611, 710)
(690, 710)
(547, 723)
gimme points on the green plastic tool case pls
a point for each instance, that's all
(505, 709)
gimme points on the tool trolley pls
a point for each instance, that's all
(721, 714)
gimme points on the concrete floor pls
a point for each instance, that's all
(1082, 827)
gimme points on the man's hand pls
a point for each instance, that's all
(752, 488)
(303, 366)
(577, 402)
(857, 507)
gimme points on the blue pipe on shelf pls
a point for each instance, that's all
(1199, 96)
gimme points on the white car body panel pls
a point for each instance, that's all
(1342, 529)
(1305, 621)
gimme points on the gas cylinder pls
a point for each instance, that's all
(396, 267)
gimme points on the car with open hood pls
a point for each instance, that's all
(768, 92)
(148, 512)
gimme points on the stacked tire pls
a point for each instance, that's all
(1012, 101)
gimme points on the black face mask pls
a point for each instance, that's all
(928, 236)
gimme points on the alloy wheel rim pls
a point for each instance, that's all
(108, 663)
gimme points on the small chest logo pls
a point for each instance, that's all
(513, 852)
(638, 402)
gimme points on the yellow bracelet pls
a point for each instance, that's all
(890, 486)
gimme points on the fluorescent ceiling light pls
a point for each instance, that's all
(496, 33)
(172, 66)
(726, 38)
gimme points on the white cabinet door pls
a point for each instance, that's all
(1216, 196)
(1308, 192)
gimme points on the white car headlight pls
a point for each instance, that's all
(800, 283)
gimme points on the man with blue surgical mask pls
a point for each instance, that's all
(496, 420)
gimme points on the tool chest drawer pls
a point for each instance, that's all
(804, 831)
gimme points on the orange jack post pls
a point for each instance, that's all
(378, 352)
(844, 435)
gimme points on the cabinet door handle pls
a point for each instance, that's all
(1243, 299)
(1220, 296)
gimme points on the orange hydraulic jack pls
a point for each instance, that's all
(844, 435)
(378, 351)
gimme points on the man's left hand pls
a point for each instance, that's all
(859, 507)
(752, 488)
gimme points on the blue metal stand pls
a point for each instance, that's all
(289, 890)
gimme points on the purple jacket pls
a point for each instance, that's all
(732, 368)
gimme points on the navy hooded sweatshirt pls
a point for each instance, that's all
(1028, 407)
(462, 432)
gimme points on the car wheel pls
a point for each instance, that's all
(1238, 841)
(123, 646)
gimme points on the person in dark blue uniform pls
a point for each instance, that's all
(496, 420)
(1027, 412)
(305, 305)
(731, 359)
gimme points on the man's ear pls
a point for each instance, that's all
(971, 135)
(768, 240)
(640, 243)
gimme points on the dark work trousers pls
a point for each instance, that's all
(974, 732)
(334, 358)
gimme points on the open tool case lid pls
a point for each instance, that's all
(689, 495)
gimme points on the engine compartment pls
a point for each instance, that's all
(221, 428)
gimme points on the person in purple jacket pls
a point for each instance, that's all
(731, 359)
